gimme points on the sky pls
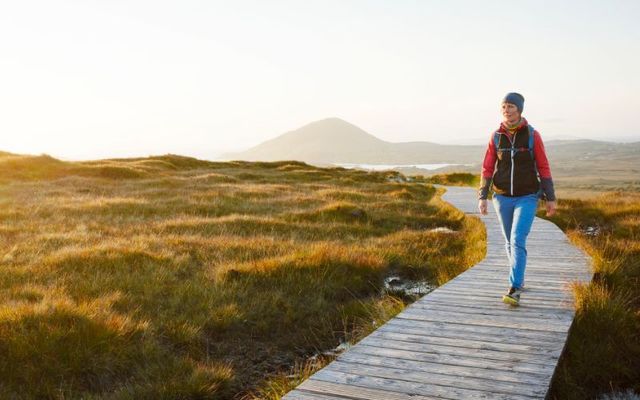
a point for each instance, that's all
(98, 79)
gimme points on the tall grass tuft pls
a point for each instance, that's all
(455, 179)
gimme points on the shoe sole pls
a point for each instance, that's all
(510, 300)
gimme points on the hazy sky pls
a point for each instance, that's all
(94, 79)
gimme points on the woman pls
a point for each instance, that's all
(510, 168)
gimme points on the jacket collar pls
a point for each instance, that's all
(503, 128)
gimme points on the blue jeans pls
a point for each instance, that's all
(516, 216)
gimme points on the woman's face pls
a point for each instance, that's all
(510, 112)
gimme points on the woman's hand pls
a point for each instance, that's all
(551, 208)
(482, 206)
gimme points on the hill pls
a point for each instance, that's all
(334, 140)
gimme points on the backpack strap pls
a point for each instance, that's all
(496, 141)
(535, 166)
(531, 129)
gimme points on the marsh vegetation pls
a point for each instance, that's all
(171, 277)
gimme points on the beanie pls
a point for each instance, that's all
(516, 99)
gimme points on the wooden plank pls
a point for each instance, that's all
(498, 289)
(353, 381)
(460, 381)
(494, 280)
(306, 395)
(559, 270)
(532, 270)
(453, 359)
(497, 301)
(494, 303)
(467, 343)
(552, 314)
(483, 354)
(491, 304)
(490, 334)
(347, 392)
(541, 258)
(498, 256)
(501, 286)
(448, 369)
(507, 322)
(500, 260)
(494, 296)
(531, 276)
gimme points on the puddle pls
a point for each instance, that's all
(591, 230)
(398, 179)
(340, 348)
(442, 229)
(396, 284)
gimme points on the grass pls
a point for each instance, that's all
(603, 349)
(171, 277)
(455, 179)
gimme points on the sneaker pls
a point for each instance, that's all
(513, 296)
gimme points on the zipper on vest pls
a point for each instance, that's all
(512, 160)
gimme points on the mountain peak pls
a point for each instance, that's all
(325, 139)
(332, 126)
(325, 132)
(332, 121)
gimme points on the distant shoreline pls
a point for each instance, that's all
(382, 167)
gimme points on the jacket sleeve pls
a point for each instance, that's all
(542, 163)
(488, 167)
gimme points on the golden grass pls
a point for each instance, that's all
(171, 277)
(603, 349)
(455, 179)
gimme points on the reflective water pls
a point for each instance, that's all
(382, 167)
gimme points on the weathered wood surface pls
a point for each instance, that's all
(461, 341)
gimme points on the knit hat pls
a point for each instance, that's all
(516, 99)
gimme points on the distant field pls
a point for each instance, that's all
(171, 277)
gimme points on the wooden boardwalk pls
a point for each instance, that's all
(460, 341)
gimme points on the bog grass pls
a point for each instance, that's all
(455, 179)
(602, 354)
(172, 277)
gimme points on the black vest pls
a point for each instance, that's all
(515, 173)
